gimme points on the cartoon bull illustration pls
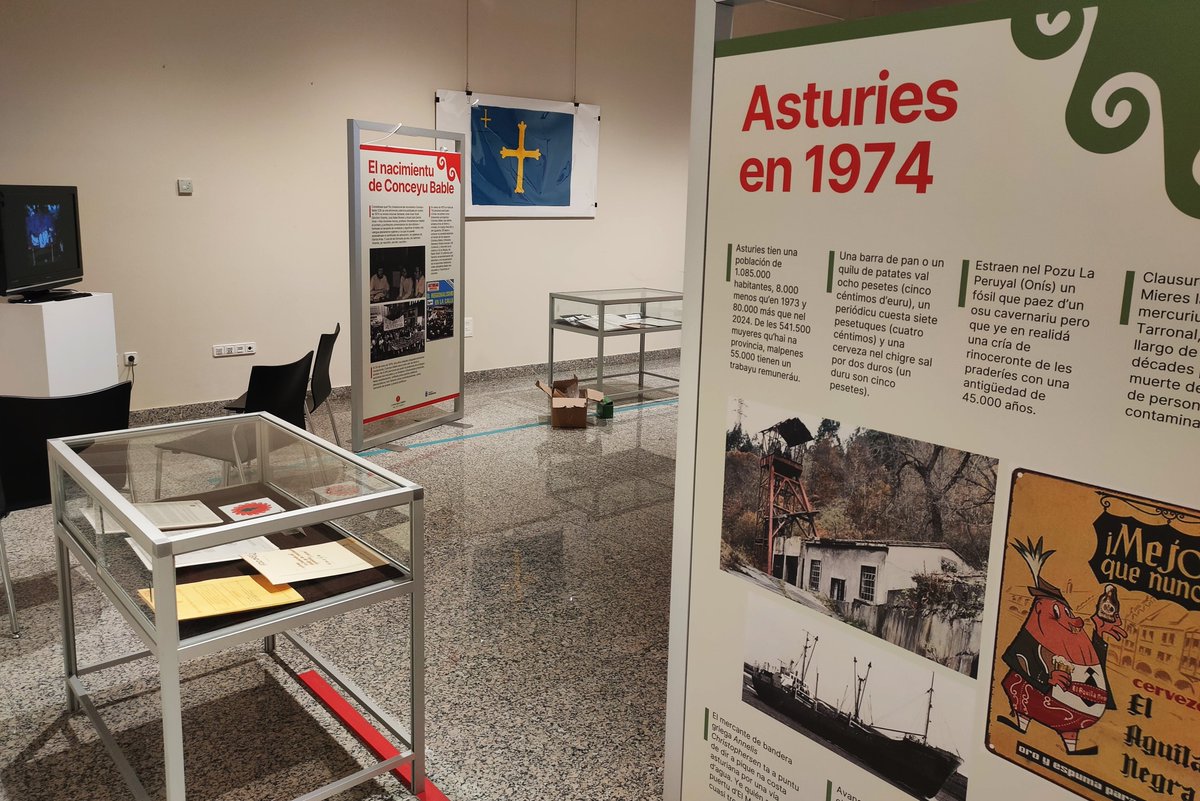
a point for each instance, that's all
(1057, 673)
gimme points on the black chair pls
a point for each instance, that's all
(321, 386)
(24, 466)
(279, 389)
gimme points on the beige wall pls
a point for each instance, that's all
(249, 100)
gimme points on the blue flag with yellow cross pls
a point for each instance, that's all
(520, 157)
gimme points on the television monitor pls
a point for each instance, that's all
(39, 239)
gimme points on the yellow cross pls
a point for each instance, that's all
(520, 154)
(486, 119)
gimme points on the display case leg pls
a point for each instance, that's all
(66, 604)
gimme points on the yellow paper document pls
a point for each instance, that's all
(224, 596)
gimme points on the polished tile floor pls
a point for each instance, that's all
(547, 557)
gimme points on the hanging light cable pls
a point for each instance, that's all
(575, 74)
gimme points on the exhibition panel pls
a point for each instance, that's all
(406, 282)
(306, 532)
(941, 538)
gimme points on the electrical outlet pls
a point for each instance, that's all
(234, 349)
(468, 326)
(184, 186)
(131, 358)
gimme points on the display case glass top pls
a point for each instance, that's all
(200, 496)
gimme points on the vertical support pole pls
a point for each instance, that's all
(550, 349)
(9, 594)
(460, 296)
(359, 344)
(66, 607)
(712, 21)
(166, 624)
(600, 350)
(417, 533)
(642, 355)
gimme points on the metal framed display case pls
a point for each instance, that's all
(289, 487)
(604, 313)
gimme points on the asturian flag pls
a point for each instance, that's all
(520, 157)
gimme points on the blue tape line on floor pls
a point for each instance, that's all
(647, 405)
(507, 429)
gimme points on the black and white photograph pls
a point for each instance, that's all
(397, 273)
(888, 534)
(896, 717)
(397, 330)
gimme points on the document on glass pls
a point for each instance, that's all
(313, 561)
(247, 509)
(229, 552)
(637, 320)
(165, 515)
(614, 322)
(225, 596)
(340, 491)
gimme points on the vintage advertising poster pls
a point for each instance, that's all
(947, 398)
(526, 157)
(1098, 641)
(410, 233)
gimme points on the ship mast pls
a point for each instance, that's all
(860, 688)
(806, 660)
(928, 710)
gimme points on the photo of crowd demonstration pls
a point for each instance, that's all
(441, 322)
(397, 274)
(397, 330)
(440, 297)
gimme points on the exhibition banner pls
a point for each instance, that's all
(944, 537)
(527, 158)
(406, 284)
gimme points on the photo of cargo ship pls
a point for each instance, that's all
(902, 735)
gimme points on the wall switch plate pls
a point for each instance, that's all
(468, 326)
(184, 185)
(234, 349)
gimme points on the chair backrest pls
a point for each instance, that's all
(280, 389)
(321, 384)
(29, 422)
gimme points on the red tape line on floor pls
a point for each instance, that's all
(367, 734)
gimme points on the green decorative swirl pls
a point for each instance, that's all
(1028, 36)
(1153, 38)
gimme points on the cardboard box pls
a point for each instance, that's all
(568, 403)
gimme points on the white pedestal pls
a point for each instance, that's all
(62, 347)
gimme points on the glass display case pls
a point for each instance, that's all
(604, 313)
(207, 534)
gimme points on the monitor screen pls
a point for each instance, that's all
(39, 238)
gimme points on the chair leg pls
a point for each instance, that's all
(333, 425)
(8, 588)
(158, 476)
(237, 456)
